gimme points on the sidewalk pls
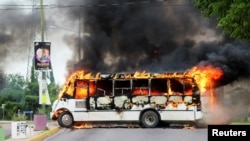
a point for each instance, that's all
(31, 134)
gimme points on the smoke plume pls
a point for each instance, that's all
(166, 36)
(16, 34)
(131, 35)
(156, 37)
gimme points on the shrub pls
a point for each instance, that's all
(19, 117)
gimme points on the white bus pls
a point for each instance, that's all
(144, 98)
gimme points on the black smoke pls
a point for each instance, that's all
(129, 35)
(124, 37)
(16, 34)
(232, 58)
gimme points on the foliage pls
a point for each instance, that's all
(1, 80)
(14, 81)
(20, 117)
(14, 85)
(41, 111)
(10, 108)
(17, 92)
(31, 102)
(233, 16)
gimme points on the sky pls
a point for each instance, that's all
(20, 28)
(117, 36)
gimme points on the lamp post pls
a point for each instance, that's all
(40, 118)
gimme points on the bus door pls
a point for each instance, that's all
(81, 93)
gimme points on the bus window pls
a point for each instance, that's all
(69, 91)
(140, 87)
(196, 99)
(92, 87)
(159, 86)
(122, 87)
(81, 89)
(175, 86)
(188, 86)
(104, 87)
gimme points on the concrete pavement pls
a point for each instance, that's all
(31, 134)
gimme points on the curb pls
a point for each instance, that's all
(45, 134)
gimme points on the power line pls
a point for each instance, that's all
(52, 6)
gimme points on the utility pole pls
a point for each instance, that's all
(79, 36)
(42, 62)
(42, 20)
(42, 39)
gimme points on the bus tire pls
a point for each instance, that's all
(150, 119)
(65, 119)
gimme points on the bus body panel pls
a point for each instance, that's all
(125, 97)
(175, 115)
(106, 116)
(80, 113)
(134, 116)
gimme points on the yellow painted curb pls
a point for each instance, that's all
(45, 134)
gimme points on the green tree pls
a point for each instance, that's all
(16, 92)
(32, 92)
(12, 93)
(232, 15)
(14, 87)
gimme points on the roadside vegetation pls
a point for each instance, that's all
(241, 123)
(16, 92)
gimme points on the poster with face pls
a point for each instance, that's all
(42, 55)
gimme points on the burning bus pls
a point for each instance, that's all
(140, 97)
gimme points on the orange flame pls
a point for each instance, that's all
(205, 76)
(140, 92)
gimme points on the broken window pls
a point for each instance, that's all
(140, 87)
(175, 86)
(104, 87)
(159, 86)
(122, 87)
(81, 89)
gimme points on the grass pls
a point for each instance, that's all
(240, 123)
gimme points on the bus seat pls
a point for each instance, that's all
(104, 102)
(188, 99)
(140, 99)
(120, 101)
(158, 99)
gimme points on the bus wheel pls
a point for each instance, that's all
(150, 119)
(65, 119)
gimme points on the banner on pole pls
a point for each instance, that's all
(43, 93)
(42, 55)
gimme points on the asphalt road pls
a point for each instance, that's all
(7, 129)
(130, 134)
